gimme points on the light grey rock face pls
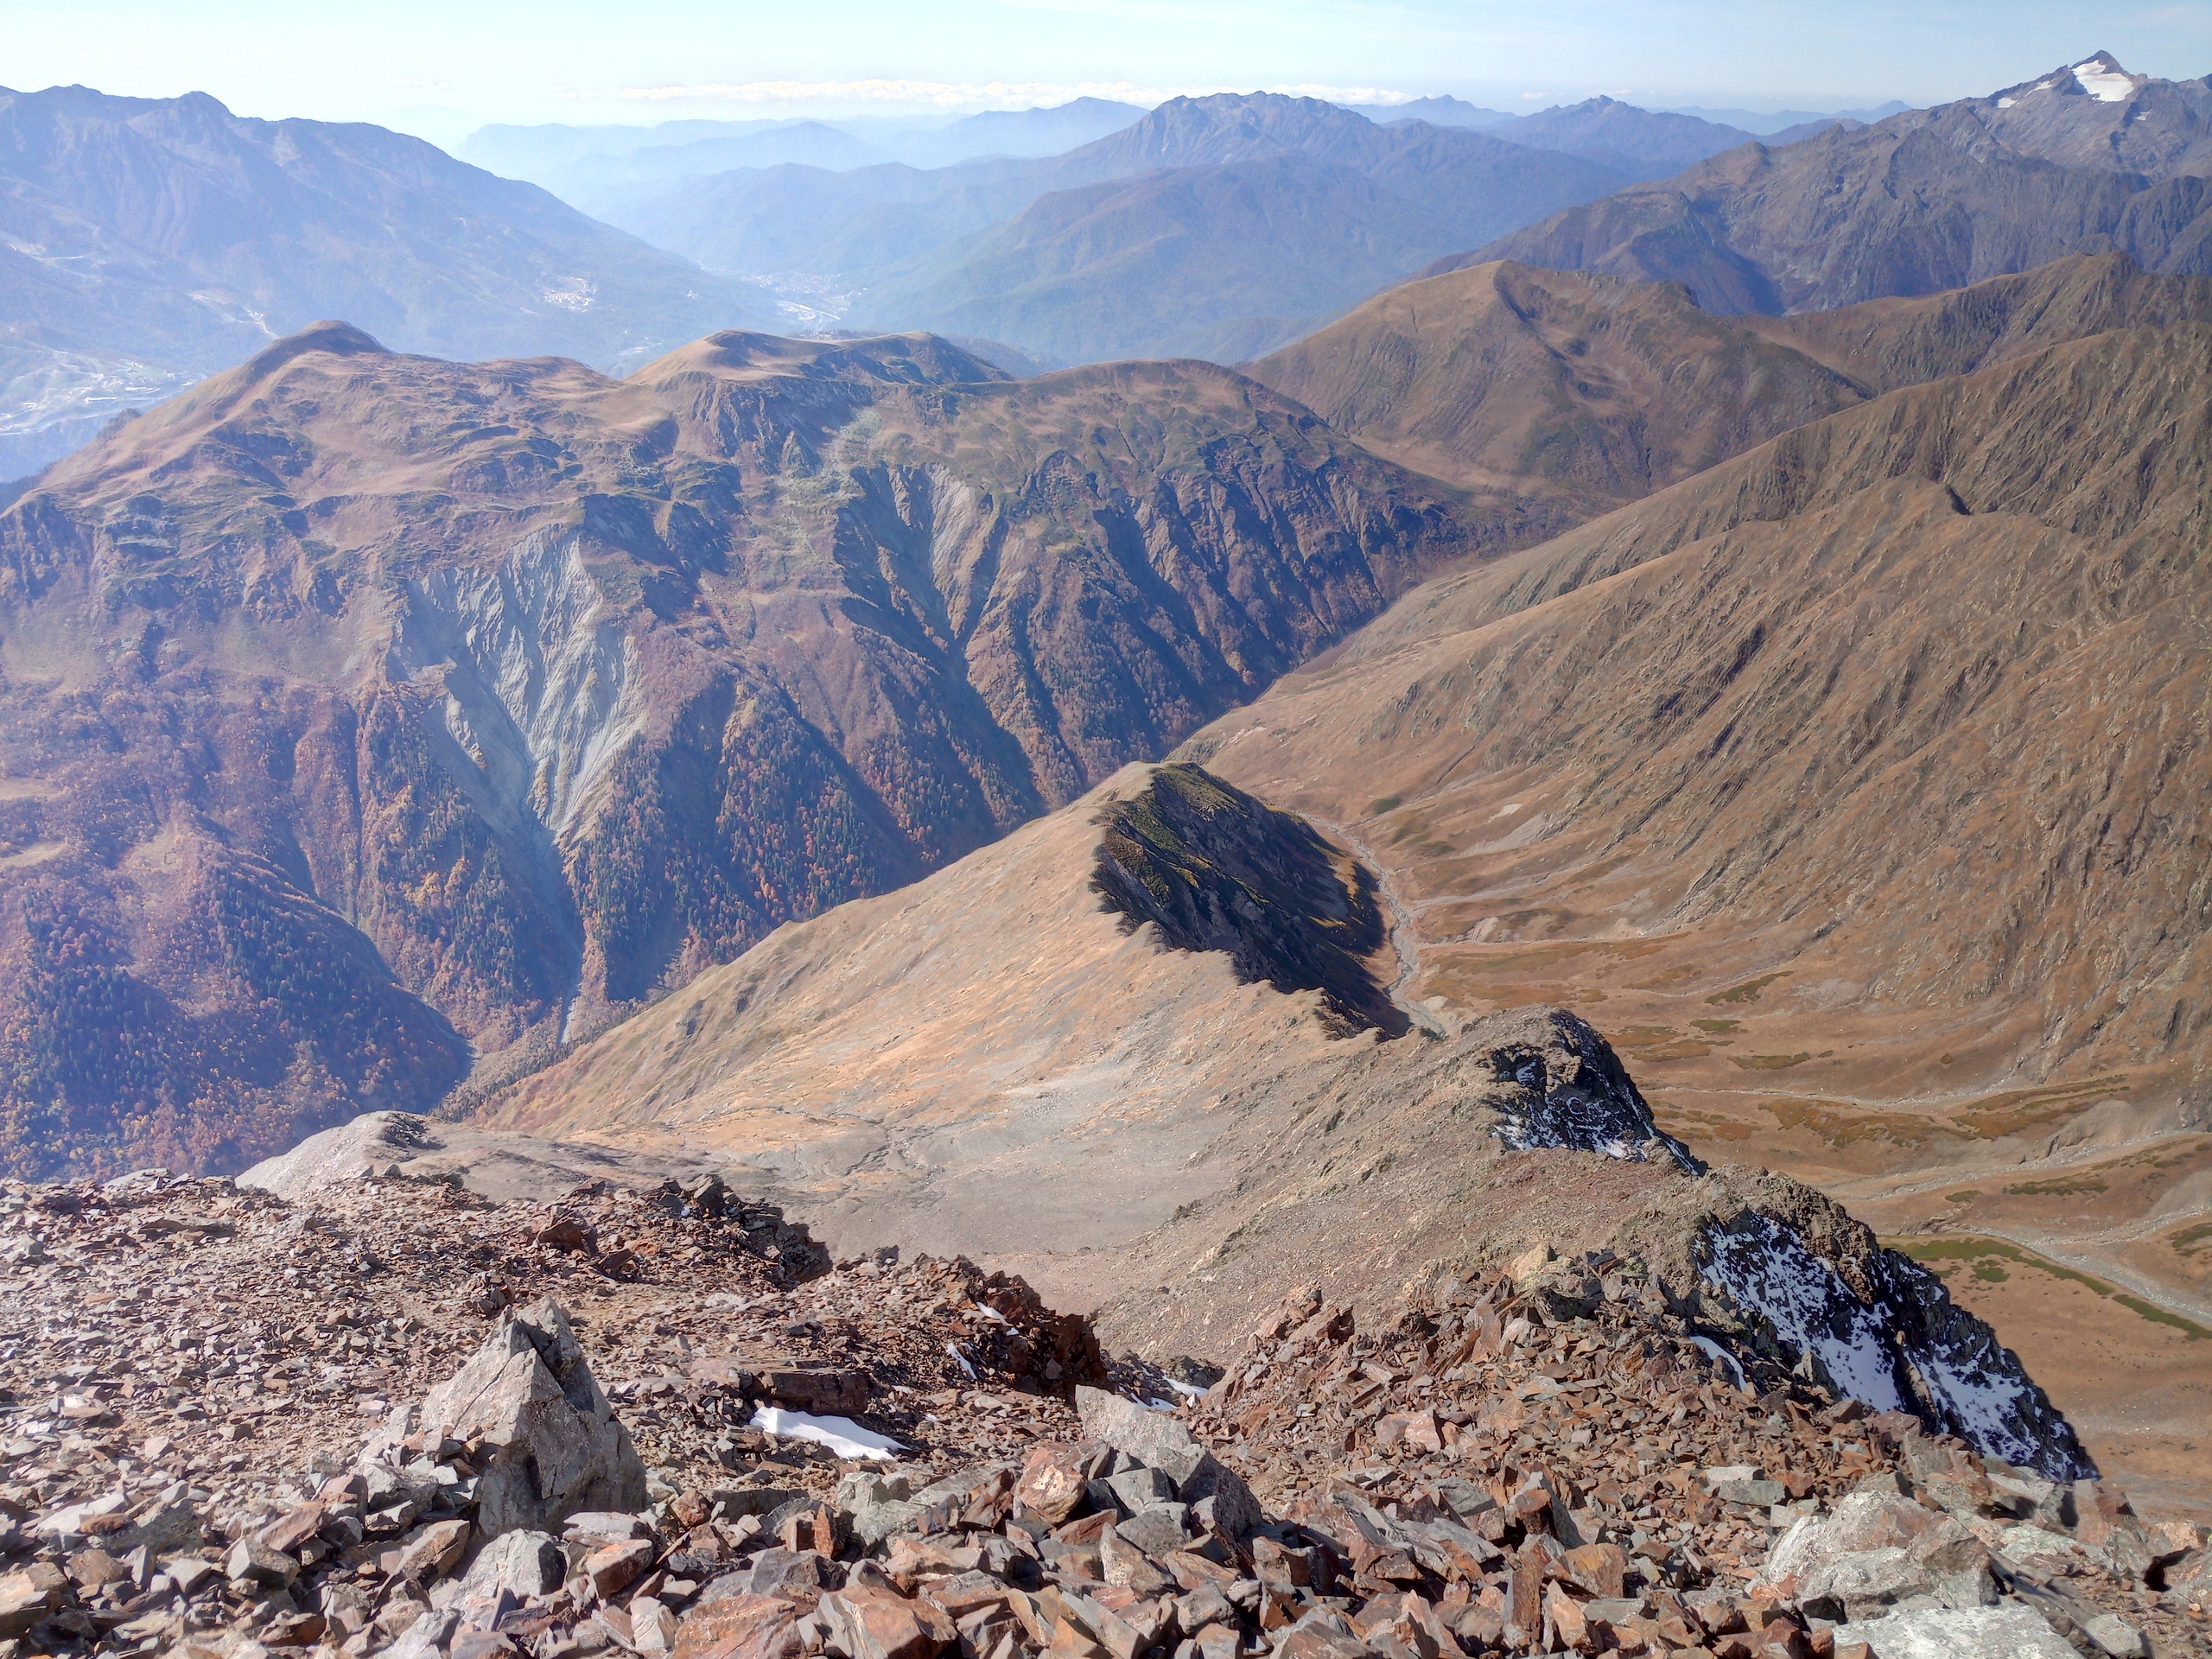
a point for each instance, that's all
(2006, 1631)
(1156, 1531)
(1875, 1551)
(1156, 1440)
(1140, 1488)
(2116, 1636)
(557, 1447)
(513, 1568)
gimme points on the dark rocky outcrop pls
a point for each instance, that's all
(1214, 869)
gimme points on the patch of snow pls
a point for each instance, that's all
(1770, 1269)
(2007, 103)
(840, 1434)
(960, 1360)
(2104, 81)
(1902, 1346)
(1977, 1393)
(1189, 1389)
(1714, 1351)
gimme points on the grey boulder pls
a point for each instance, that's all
(1875, 1551)
(512, 1570)
(1157, 1440)
(2008, 1630)
(555, 1447)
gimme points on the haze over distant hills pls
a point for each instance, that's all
(2085, 158)
(1264, 214)
(1437, 111)
(1215, 226)
(151, 242)
(600, 169)
(1768, 123)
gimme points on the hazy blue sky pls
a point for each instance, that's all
(432, 64)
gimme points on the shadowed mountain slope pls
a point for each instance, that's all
(1592, 391)
(2086, 159)
(149, 242)
(354, 686)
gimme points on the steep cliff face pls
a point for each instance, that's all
(546, 690)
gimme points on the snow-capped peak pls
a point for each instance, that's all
(2104, 80)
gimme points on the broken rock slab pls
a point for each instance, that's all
(2008, 1630)
(1876, 1550)
(556, 1446)
(1160, 1440)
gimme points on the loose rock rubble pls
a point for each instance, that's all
(224, 1416)
(374, 1422)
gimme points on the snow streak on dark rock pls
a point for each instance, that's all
(1901, 1345)
(1572, 1091)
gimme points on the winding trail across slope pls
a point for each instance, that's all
(2104, 1267)
(1404, 940)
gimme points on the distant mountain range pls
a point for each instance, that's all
(148, 243)
(1769, 123)
(2085, 158)
(1218, 226)
(151, 243)
(1437, 111)
(603, 169)
(1227, 225)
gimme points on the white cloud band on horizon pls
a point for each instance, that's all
(985, 95)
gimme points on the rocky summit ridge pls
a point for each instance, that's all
(396, 1416)
(878, 1072)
